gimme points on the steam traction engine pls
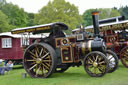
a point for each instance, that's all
(57, 52)
(114, 32)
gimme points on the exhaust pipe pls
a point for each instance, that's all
(95, 19)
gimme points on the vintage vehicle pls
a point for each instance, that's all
(114, 32)
(58, 52)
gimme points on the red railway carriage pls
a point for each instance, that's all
(11, 46)
(114, 31)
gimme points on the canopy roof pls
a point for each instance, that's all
(19, 36)
(45, 28)
(110, 26)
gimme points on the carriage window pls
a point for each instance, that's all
(6, 43)
(24, 41)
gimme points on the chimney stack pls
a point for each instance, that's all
(95, 19)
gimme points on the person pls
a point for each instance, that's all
(8, 67)
(1, 61)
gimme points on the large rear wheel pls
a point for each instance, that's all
(96, 64)
(40, 60)
(124, 56)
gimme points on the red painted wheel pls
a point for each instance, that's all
(124, 56)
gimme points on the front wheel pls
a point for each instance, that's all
(113, 61)
(96, 64)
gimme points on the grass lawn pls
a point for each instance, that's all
(73, 76)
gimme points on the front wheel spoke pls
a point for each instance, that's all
(96, 58)
(32, 67)
(101, 62)
(99, 59)
(110, 58)
(91, 60)
(89, 65)
(112, 64)
(95, 70)
(101, 69)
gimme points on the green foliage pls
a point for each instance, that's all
(108, 13)
(87, 18)
(103, 13)
(2, 2)
(30, 19)
(59, 11)
(124, 11)
(17, 16)
(4, 26)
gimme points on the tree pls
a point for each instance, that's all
(108, 13)
(87, 18)
(124, 11)
(17, 16)
(103, 13)
(4, 26)
(59, 11)
(2, 2)
(30, 19)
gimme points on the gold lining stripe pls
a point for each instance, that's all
(30, 30)
(43, 28)
(89, 45)
(83, 48)
(19, 31)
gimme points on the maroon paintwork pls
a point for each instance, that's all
(14, 53)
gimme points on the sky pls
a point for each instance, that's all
(35, 5)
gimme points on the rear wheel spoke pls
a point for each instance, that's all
(33, 67)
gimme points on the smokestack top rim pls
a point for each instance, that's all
(95, 13)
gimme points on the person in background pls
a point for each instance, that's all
(8, 67)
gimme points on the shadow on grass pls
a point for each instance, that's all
(70, 75)
(18, 67)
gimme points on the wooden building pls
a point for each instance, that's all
(11, 45)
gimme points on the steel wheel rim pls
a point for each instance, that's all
(124, 57)
(112, 61)
(38, 61)
(96, 64)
